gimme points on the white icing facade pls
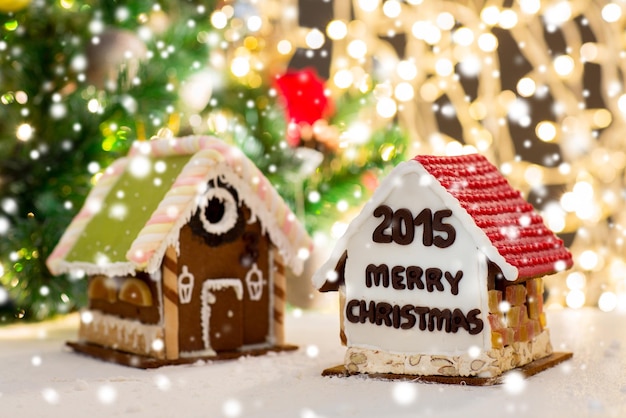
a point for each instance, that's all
(420, 281)
(461, 256)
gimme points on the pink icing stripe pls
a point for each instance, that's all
(161, 218)
(60, 249)
(83, 214)
(287, 225)
(188, 181)
(143, 259)
(262, 188)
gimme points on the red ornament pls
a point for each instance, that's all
(305, 99)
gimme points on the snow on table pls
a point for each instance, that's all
(39, 377)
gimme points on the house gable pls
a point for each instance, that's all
(415, 282)
(197, 160)
(326, 277)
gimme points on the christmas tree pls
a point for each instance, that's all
(81, 80)
(74, 94)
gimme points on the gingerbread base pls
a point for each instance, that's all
(528, 370)
(144, 362)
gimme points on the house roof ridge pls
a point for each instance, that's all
(210, 158)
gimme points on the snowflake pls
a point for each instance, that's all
(312, 351)
(107, 394)
(140, 167)
(4, 225)
(514, 382)
(232, 408)
(162, 382)
(404, 393)
(50, 395)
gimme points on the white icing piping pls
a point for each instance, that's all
(221, 284)
(229, 219)
(127, 331)
(207, 299)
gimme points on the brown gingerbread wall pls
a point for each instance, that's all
(233, 322)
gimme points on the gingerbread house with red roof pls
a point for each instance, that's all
(184, 243)
(441, 273)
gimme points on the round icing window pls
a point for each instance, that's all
(220, 213)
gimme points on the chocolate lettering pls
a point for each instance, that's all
(425, 217)
(406, 313)
(433, 279)
(459, 321)
(396, 278)
(440, 226)
(422, 311)
(407, 317)
(365, 312)
(399, 227)
(402, 230)
(377, 275)
(454, 281)
(379, 234)
(473, 319)
(414, 277)
(368, 313)
(396, 316)
(411, 278)
(350, 316)
(437, 318)
(383, 312)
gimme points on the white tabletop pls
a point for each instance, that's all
(39, 378)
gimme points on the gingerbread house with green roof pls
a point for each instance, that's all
(184, 243)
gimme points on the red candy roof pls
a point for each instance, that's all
(512, 225)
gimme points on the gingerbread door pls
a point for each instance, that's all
(210, 259)
(222, 314)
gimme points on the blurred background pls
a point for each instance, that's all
(326, 97)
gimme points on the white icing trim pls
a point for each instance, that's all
(199, 353)
(229, 219)
(127, 331)
(185, 290)
(111, 270)
(207, 299)
(381, 194)
(255, 287)
(221, 284)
